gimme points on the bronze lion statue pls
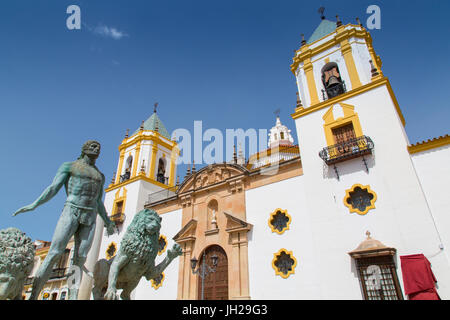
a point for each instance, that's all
(16, 262)
(135, 259)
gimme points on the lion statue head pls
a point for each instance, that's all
(141, 240)
(16, 262)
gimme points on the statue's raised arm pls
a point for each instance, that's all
(84, 186)
(62, 175)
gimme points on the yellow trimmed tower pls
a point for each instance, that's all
(357, 169)
(146, 168)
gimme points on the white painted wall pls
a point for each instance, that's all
(400, 220)
(137, 196)
(434, 174)
(263, 243)
(170, 225)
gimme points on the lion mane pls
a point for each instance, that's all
(16, 253)
(134, 260)
(137, 244)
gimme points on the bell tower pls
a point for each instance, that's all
(147, 163)
(354, 152)
(146, 167)
(336, 59)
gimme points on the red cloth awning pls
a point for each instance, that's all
(418, 278)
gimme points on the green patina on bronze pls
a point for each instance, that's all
(16, 262)
(84, 188)
(134, 260)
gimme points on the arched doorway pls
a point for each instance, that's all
(215, 284)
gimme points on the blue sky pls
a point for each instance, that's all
(223, 62)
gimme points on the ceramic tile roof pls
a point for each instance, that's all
(153, 122)
(325, 27)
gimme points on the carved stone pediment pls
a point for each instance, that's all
(235, 224)
(214, 174)
(187, 233)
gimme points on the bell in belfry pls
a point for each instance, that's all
(332, 80)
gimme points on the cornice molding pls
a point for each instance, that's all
(429, 144)
(301, 112)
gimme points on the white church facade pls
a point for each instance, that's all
(354, 211)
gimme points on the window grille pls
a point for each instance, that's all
(378, 278)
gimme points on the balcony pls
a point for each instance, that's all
(273, 156)
(58, 273)
(117, 218)
(124, 177)
(161, 195)
(162, 179)
(28, 281)
(347, 150)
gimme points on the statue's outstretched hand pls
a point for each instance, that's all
(29, 207)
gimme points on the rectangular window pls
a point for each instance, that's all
(119, 207)
(378, 277)
(62, 262)
(344, 133)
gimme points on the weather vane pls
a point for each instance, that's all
(321, 11)
(155, 106)
(277, 112)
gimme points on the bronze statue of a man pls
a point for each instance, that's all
(84, 187)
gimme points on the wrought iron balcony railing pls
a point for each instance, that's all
(161, 195)
(118, 218)
(347, 150)
(28, 281)
(58, 273)
(125, 177)
(161, 179)
(273, 156)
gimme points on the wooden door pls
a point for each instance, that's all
(216, 283)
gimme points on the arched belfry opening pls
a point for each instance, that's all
(215, 285)
(128, 166)
(332, 81)
(161, 173)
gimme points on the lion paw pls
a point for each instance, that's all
(175, 251)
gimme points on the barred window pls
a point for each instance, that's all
(378, 277)
(279, 221)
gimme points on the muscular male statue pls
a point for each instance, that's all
(84, 187)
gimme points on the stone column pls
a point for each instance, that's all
(239, 287)
(152, 174)
(308, 68)
(184, 272)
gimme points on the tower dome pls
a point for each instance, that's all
(280, 135)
